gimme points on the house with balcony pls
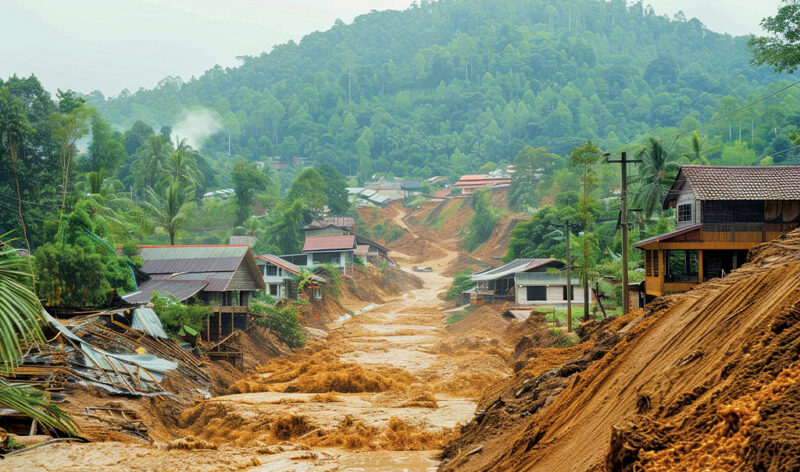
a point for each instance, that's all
(721, 212)
(527, 282)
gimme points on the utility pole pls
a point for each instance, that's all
(623, 221)
(569, 279)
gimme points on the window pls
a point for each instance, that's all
(685, 212)
(272, 270)
(564, 292)
(537, 293)
(273, 290)
(651, 263)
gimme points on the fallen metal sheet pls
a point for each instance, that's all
(520, 315)
(146, 320)
(143, 369)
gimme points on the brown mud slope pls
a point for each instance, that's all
(706, 380)
(437, 227)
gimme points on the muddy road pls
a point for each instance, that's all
(409, 389)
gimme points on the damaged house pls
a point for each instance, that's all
(225, 277)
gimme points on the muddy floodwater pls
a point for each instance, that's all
(404, 334)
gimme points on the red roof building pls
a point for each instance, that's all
(468, 183)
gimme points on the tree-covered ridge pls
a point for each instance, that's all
(444, 87)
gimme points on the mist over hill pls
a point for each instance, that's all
(445, 87)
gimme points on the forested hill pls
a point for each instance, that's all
(444, 87)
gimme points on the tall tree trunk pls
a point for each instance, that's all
(13, 150)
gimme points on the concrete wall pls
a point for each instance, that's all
(555, 296)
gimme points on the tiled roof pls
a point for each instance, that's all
(743, 183)
(329, 243)
(465, 178)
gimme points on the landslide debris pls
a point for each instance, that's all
(322, 371)
(705, 380)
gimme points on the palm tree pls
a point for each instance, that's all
(20, 314)
(251, 227)
(181, 167)
(14, 127)
(152, 159)
(698, 152)
(655, 176)
(168, 212)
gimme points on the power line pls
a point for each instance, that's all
(707, 92)
(26, 202)
(731, 113)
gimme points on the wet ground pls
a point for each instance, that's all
(404, 333)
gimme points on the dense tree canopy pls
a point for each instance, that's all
(475, 82)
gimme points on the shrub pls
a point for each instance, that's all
(284, 322)
(461, 282)
(459, 315)
(174, 315)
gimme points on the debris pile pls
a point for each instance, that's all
(101, 352)
(704, 380)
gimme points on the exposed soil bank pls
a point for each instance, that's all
(706, 380)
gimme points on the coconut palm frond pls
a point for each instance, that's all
(20, 311)
(36, 404)
(20, 315)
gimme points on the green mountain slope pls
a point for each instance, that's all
(444, 87)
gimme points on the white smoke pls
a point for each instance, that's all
(196, 126)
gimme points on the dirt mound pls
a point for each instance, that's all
(705, 380)
(322, 372)
(487, 320)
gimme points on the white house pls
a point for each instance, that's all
(335, 250)
(276, 272)
(528, 282)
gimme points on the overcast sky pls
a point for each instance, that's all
(109, 45)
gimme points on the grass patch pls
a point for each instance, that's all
(453, 318)
(442, 213)
(461, 283)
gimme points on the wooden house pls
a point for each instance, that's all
(223, 276)
(721, 212)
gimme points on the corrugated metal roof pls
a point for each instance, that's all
(666, 236)
(518, 265)
(243, 240)
(180, 289)
(173, 259)
(215, 281)
(339, 222)
(146, 321)
(280, 262)
(740, 182)
(329, 243)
